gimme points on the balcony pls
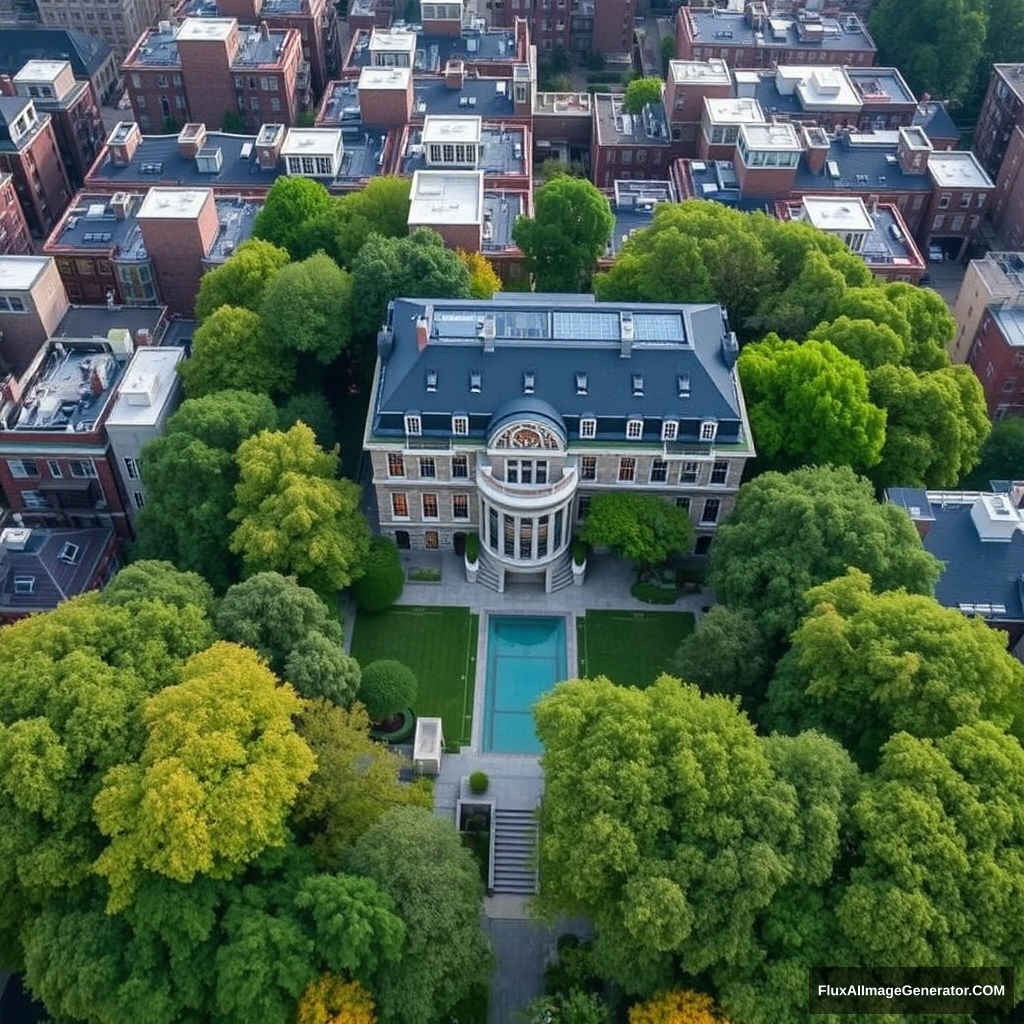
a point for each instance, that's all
(526, 497)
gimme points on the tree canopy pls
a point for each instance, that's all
(386, 687)
(790, 532)
(307, 309)
(418, 860)
(571, 227)
(483, 279)
(241, 279)
(190, 474)
(231, 351)
(864, 666)
(641, 527)
(273, 615)
(158, 581)
(389, 268)
(808, 403)
(291, 203)
(662, 821)
(640, 93)
(293, 514)
(1001, 456)
(214, 782)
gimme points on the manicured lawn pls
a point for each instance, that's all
(439, 645)
(630, 648)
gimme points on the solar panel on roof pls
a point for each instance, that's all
(658, 327)
(588, 326)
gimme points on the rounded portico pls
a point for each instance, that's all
(526, 485)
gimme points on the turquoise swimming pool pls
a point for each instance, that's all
(526, 656)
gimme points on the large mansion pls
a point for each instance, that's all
(505, 417)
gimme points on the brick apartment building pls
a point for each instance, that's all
(15, 239)
(73, 107)
(118, 25)
(32, 304)
(582, 27)
(316, 21)
(995, 280)
(206, 68)
(29, 153)
(141, 248)
(91, 60)
(758, 38)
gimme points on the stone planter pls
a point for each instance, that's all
(472, 570)
(579, 573)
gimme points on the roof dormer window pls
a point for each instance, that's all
(638, 385)
(431, 381)
(581, 383)
(475, 382)
(528, 382)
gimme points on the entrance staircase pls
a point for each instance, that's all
(515, 844)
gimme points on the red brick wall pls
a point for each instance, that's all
(209, 85)
(14, 234)
(992, 360)
(389, 108)
(765, 181)
(40, 180)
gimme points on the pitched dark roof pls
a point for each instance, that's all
(54, 578)
(20, 45)
(555, 338)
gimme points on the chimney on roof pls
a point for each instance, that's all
(488, 332)
(454, 74)
(626, 335)
(730, 348)
(422, 333)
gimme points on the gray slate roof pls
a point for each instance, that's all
(20, 45)
(555, 338)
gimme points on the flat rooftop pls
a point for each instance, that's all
(779, 136)
(1011, 323)
(450, 129)
(500, 212)
(734, 110)
(256, 51)
(562, 103)
(821, 89)
(158, 162)
(487, 97)
(40, 71)
(446, 197)
(702, 72)
(834, 213)
(844, 32)
(616, 127)
(957, 170)
(70, 388)
(1013, 76)
(96, 322)
(162, 203)
(502, 150)
(155, 48)
(383, 78)
(19, 273)
(193, 29)
(149, 380)
(861, 161)
(633, 206)
(880, 85)
(209, 8)
(434, 51)
(311, 142)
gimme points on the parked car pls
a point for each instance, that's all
(935, 254)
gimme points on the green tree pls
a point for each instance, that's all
(808, 403)
(356, 781)
(790, 532)
(291, 204)
(383, 577)
(572, 1007)
(668, 52)
(381, 207)
(483, 279)
(158, 581)
(813, 295)
(664, 266)
(641, 527)
(1001, 457)
(241, 279)
(313, 409)
(294, 515)
(931, 325)
(273, 615)
(935, 424)
(941, 825)
(936, 43)
(418, 860)
(663, 822)
(318, 667)
(864, 666)
(642, 92)
(870, 342)
(571, 227)
(231, 351)
(725, 654)
(389, 268)
(307, 308)
(190, 474)
(232, 123)
(386, 688)
(220, 768)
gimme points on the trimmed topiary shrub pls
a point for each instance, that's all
(381, 584)
(651, 593)
(478, 783)
(472, 548)
(579, 550)
(387, 687)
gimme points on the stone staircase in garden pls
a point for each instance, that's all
(514, 837)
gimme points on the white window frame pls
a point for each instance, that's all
(634, 429)
(413, 424)
(588, 428)
(460, 425)
(670, 430)
(708, 430)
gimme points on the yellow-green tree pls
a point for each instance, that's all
(215, 780)
(333, 1000)
(483, 278)
(680, 1006)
